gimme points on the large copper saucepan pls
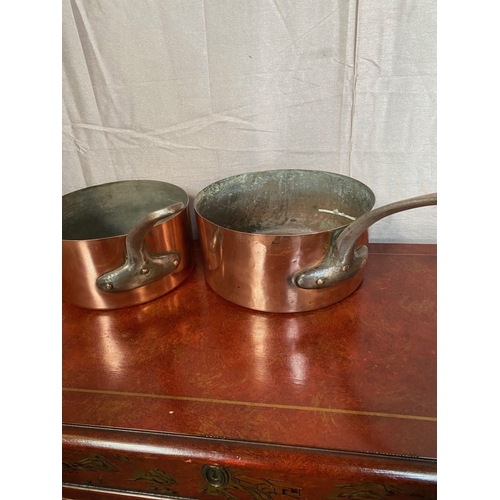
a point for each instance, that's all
(124, 243)
(288, 240)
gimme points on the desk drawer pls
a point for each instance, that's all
(166, 465)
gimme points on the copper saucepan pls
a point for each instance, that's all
(288, 240)
(124, 243)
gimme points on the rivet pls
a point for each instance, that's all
(144, 270)
(345, 268)
(176, 262)
(109, 286)
(320, 281)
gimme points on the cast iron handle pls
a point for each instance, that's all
(343, 260)
(141, 266)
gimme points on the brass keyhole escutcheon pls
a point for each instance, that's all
(215, 475)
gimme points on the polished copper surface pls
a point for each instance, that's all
(86, 260)
(95, 225)
(257, 270)
(269, 238)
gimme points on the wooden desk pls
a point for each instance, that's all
(191, 396)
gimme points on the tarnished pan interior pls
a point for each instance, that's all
(113, 209)
(284, 202)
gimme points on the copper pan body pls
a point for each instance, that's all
(288, 240)
(256, 270)
(96, 221)
(251, 260)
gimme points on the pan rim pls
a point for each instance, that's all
(203, 192)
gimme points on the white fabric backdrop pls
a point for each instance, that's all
(191, 91)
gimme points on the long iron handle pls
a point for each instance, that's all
(344, 260)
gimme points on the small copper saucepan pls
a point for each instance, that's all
(288, 240)
(124, 243)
